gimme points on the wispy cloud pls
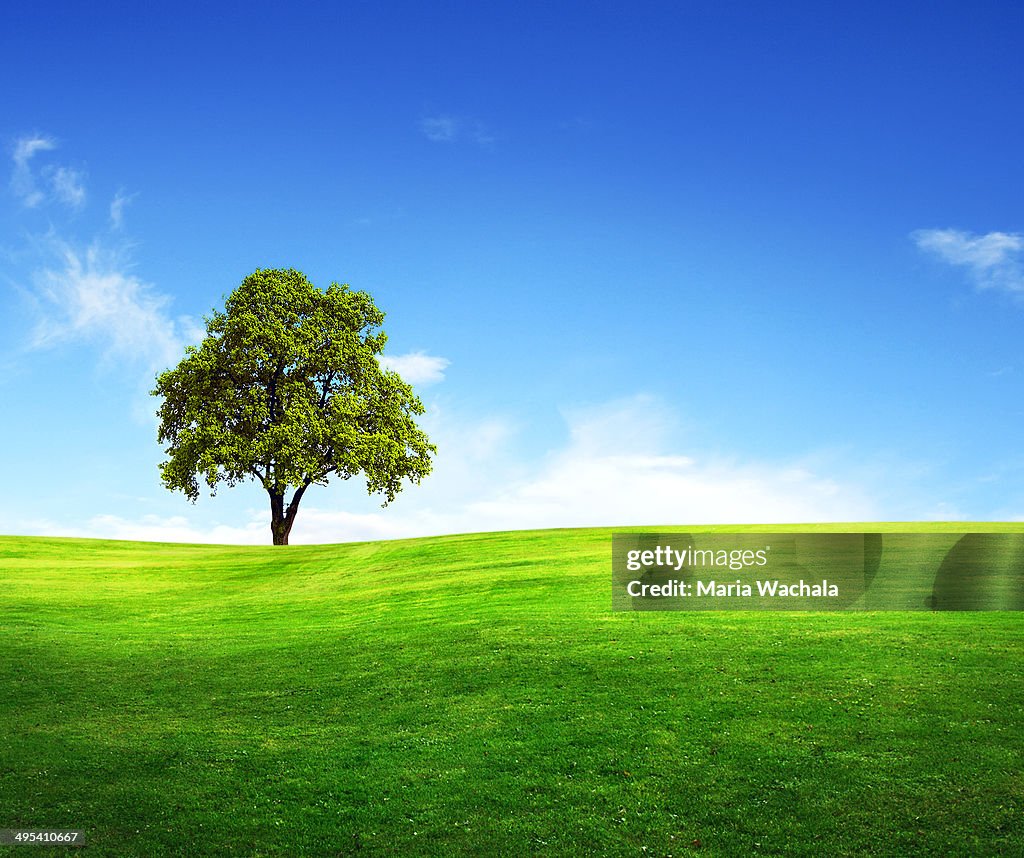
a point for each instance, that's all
(417, 367)
(90, 295)
(117, 207)
(994, 260)
(440, 129)
(85, 290)
(480, 134)
(451, 129)
(53, 182)
(22, 179)
(68, 185)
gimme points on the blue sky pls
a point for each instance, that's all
(656, 263)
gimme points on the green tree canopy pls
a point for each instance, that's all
(286, 389)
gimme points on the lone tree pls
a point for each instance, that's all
(286, 389)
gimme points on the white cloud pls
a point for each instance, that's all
(87, 292)
(618, 468)
(22, 180)
(26, 147)
(154, 528)
(993, 260)
(191, 332)
(416, 367)
(67, 185)
(117, 207)
(90, 295)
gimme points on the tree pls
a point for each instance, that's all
(286, 389)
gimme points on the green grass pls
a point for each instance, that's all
(474, 695)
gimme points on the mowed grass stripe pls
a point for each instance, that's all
(475, 695)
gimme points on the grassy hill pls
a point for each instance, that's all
(475, 695)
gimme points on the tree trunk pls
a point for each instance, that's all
(282, 519)
(279, 526)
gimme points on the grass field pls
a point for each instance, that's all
(475, 695)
